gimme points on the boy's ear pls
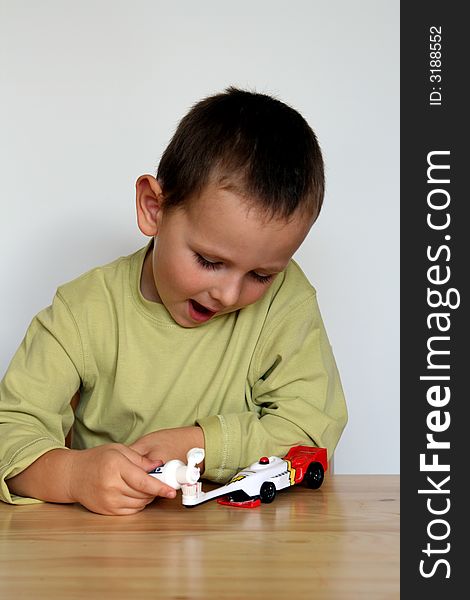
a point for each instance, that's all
(149, 203)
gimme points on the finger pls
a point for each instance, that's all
(118, 504)
(127, 490)
(135, 494)
(144, 462)
(141, 482)
(128, 507)
(142, 446)
(125, 512)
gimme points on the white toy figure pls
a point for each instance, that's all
(175, 473)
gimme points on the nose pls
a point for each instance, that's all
(227, 291)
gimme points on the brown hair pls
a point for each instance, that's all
(250, 142)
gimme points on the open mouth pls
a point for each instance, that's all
(198, 312)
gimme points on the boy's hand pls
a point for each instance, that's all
(168, 444)
(113, 480)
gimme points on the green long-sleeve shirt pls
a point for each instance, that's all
(258, 380)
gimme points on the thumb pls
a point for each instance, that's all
(149, 465)
(143, 462)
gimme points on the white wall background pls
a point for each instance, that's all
(90, 95)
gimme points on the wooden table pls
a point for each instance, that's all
(338, 542)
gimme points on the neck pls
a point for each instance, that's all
(147, 281)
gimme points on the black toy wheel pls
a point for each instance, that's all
(314, 475)
(267, 492)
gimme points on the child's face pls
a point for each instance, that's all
(216, 255)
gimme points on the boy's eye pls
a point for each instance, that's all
(261, 278)
(208, 264)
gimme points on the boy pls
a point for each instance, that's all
(210, 336)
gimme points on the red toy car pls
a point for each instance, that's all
(260, 481)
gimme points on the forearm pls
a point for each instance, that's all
(233, 441)
(47, 478)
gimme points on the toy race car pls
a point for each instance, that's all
(260, 481)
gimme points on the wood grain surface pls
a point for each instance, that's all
(338, 542)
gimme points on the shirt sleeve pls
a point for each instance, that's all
(35, 394)
(294, 392)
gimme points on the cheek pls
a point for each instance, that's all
(252, 292)
(189, 278)
(173, 270)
